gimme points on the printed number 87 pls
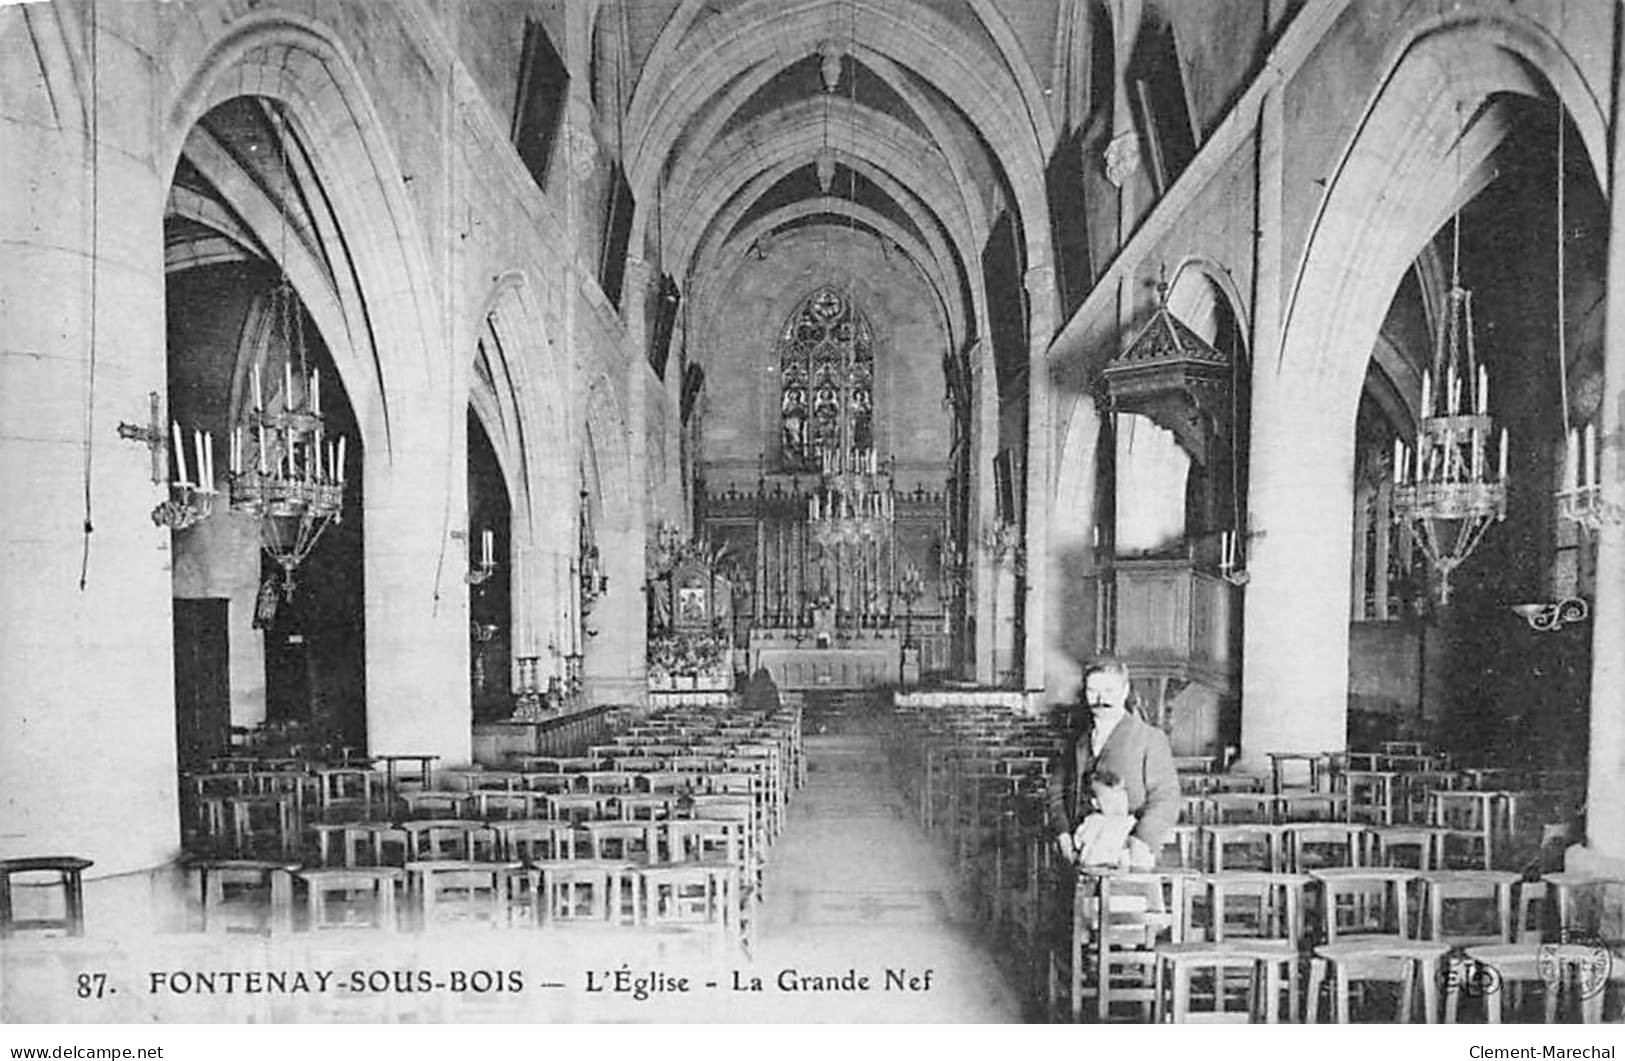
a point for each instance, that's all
(92, 985)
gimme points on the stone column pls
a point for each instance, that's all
(984, 435)
(1042, 311)
(1070, 548)
(416, 599)
(1604, 849)
(1296, 635)
(87, 668)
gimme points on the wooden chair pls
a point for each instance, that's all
(1405, 962)
(505, 805)
(458, 892)
(351, 898)
(1241, 807)
(1261, 960)
(581, 807)
(1577, 975)
(1443, 889)
(1115, 939)
(1386, 845)
(623, 841)
(66, 872)
(1261, 840)
(439, 804)
(454, 839)
(1378, 901)
(531, 841)
(582, 894)
(647, 806)
(1373, 796)
(1307, 846)
(245, 895)
(1271, 907)
(694, 898)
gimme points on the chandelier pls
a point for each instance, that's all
(1448, 489)
(854, 501)
(285, 469)
(1449, 492)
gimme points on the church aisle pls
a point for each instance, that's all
(854, 885)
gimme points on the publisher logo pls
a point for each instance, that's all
(1577, 958)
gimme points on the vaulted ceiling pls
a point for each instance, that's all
(917, 122)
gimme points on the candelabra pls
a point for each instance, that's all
(910, 588)
(1233, 559)
(189, 502)
(1583, 497)
(854, 501)
(1449, 490)
(480, 573)
(284, 469)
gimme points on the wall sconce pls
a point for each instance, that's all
(1233, 558)
(480, 573)
(189, 502)
(1546, 616)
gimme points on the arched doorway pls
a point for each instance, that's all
(269, 589)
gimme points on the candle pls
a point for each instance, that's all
(341, 459)
(1588, 465)
(1478, 452)
(287, 385)
(202, 464)
(259, 397)
(1571, 461)
(1399, 461)
(485, 540)
(1483, 390)
(1503, 454)
(316, 392)
(1448, 469)
(1427, 393)
(180, 454)
(264, 451)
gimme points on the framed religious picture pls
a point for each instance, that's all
(691, 597)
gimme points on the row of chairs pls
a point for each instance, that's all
(700, 894)
(1138, 938)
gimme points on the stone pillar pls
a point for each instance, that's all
(1070, 548)
(1296, 635)
(87, 669)
(1604, 849)
(1043, 310)
(984, 436)
(616, 667)
(416, 599)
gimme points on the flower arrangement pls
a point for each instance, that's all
(694, 654)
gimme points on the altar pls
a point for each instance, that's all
(856, 659)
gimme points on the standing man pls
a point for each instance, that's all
(1117, 740)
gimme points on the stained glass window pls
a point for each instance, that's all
(827, 373)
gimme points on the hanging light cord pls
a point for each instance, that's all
(1562, 315)
(94, 133)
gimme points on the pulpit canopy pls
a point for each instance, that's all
(1175, 377)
